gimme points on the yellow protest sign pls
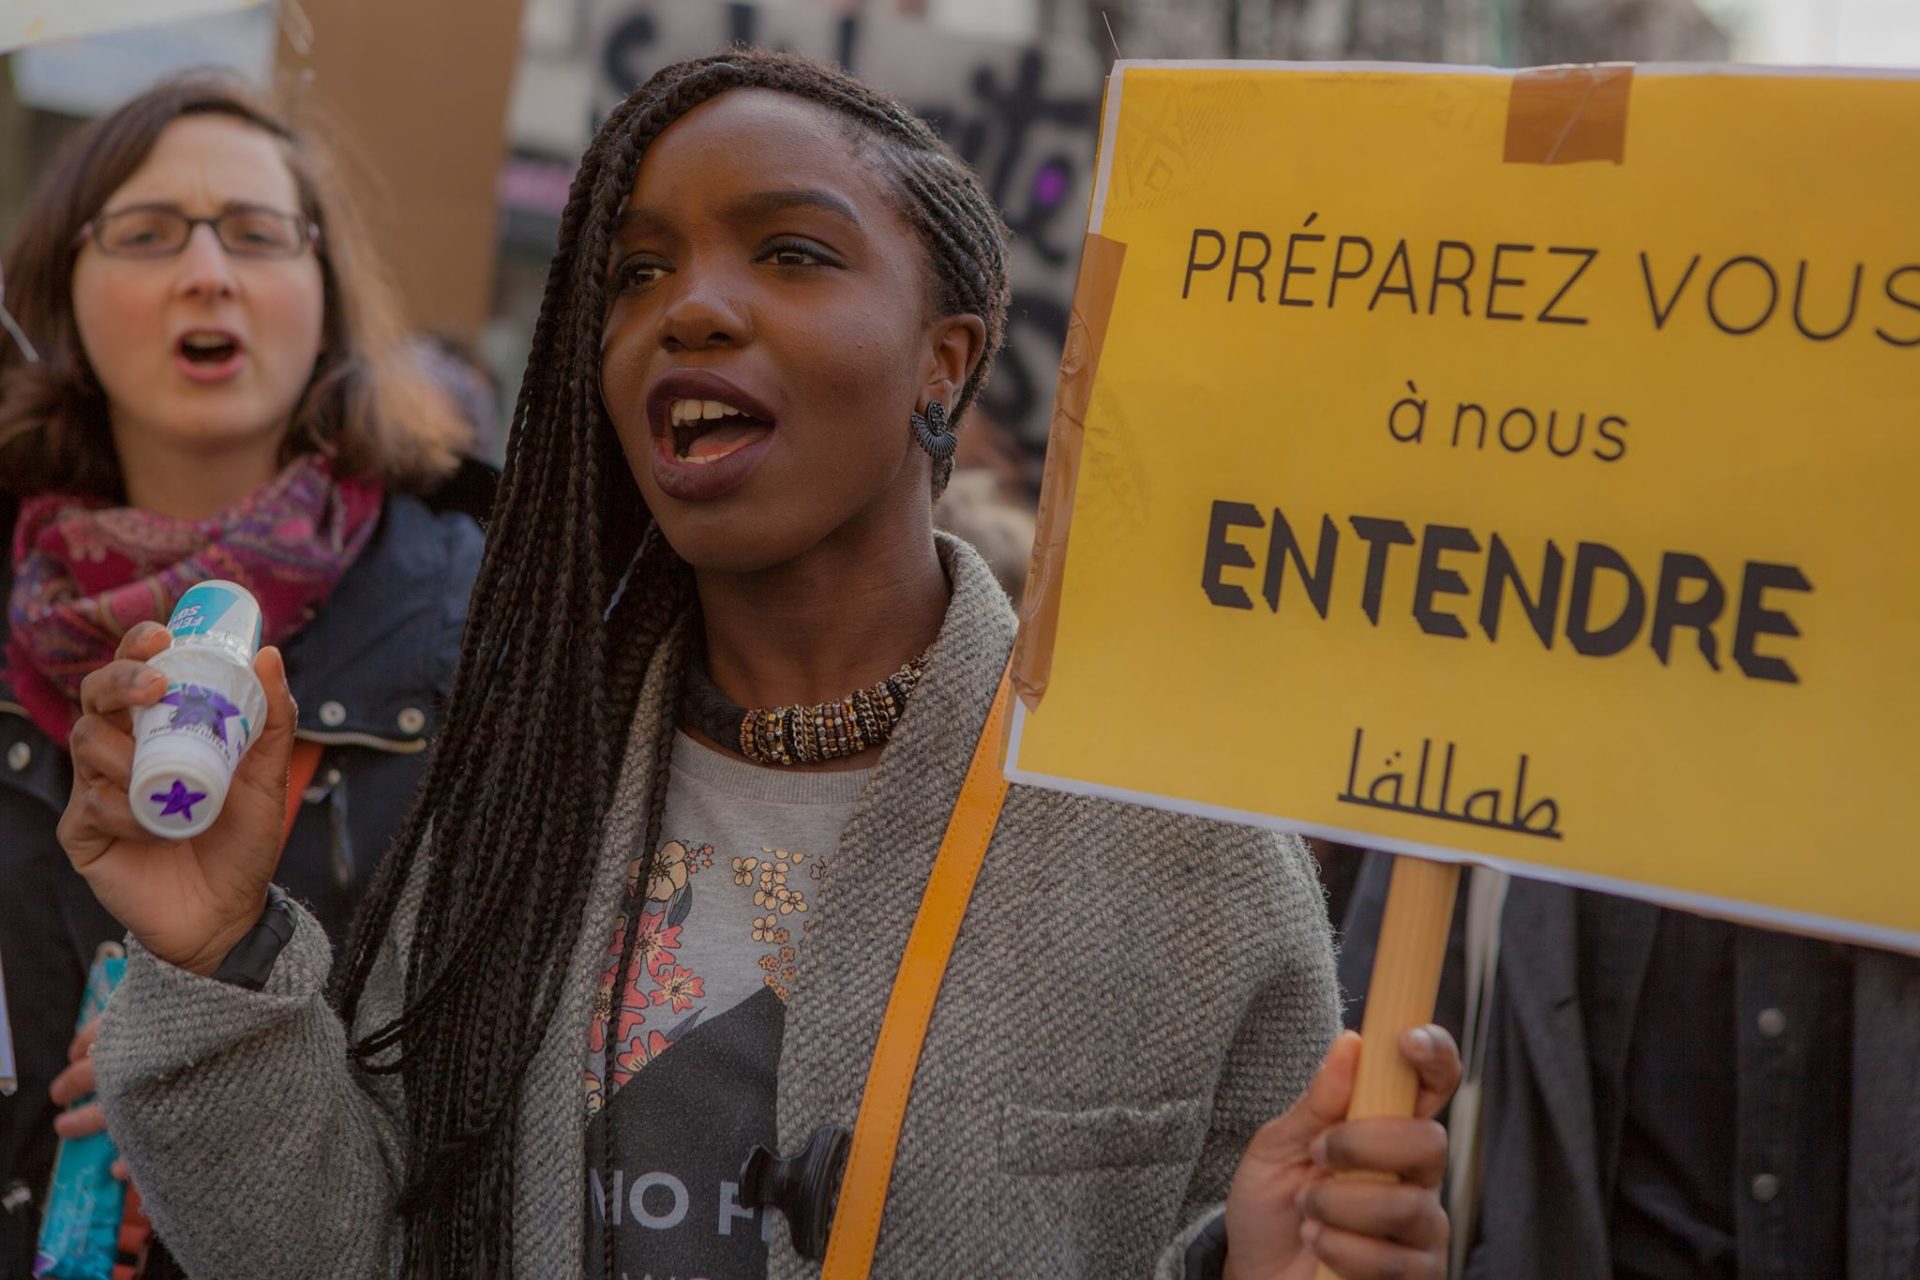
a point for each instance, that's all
(1516, 467)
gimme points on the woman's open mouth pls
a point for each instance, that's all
(705, 431)
(209, 355)
(708, 434)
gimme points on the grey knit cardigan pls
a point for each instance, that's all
(1131, 995)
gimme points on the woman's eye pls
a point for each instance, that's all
(639, 272)
(796, 253)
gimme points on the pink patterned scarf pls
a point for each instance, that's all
(85, 572)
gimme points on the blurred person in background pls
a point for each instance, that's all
(459, 373)
(1663, 1096)
(719, 692)
(977, 510)
(469, 389)
(986, 503)
(222, 391)
(1339, 872)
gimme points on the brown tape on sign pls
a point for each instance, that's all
(1564, 115)
(1100, 263)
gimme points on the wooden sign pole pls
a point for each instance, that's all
(1406, 980)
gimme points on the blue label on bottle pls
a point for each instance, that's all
(201, 609)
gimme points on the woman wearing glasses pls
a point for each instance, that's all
(215, 387)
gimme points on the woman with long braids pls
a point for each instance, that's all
(719, 692)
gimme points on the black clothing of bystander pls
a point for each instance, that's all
(1728, 1098)
(1623, 1048)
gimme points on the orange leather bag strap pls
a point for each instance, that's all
(876, 1132)
(306, 761)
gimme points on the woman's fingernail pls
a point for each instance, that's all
(1423, 1041)
(1318, 1149)
(1310, 1230)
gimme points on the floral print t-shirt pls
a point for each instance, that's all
(685, 1086)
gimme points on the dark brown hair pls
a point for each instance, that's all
(366, 405)
(550, 673)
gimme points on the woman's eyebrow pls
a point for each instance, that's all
(175, 206)
(762, 203)
(643, 220)
(640, 220)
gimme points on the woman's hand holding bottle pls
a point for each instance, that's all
(187, 901)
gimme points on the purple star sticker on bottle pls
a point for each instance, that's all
(179, 800)
(198, 705)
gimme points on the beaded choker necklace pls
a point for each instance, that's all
(861, 721)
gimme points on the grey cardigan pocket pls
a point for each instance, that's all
(1036, 1140)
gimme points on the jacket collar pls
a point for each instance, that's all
(865, 909)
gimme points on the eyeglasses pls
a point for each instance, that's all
(161, 231)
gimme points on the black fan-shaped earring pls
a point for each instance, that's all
(930, 429)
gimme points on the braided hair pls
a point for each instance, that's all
(550, 673)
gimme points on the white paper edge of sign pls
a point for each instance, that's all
(1109, 126)
(1700, 903)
